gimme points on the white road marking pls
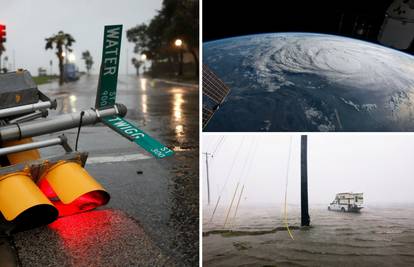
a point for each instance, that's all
(121, 158)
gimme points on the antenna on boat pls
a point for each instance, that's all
(305, 219)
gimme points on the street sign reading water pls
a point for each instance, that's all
(106, 95)
(108, 76)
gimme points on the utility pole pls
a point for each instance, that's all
(127, 61)
(2, 41)
(208, 178)
(305, 219)
(14, 60)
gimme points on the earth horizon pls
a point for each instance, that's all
(311, 82)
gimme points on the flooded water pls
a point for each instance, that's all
(381, 235)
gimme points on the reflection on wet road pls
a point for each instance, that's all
(160, 195)
(170, 111)
(97, 238)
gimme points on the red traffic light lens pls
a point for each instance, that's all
(2, 33)
(85, 202)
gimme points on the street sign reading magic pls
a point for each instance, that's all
(106, 95)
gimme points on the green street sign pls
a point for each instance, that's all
(108, 77)
(106, 95)
(138, 136)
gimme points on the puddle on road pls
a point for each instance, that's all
(183, 148)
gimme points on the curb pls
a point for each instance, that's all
(177, 83)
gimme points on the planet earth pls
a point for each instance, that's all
(311, 82)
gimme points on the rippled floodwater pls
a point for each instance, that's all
(381, 235)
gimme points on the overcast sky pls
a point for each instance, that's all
(379, 166)
(30, 22)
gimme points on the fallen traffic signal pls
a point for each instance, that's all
(71, 189)
(23, 204)
(59, 187)
(35, 190)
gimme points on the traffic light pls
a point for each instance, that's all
(63, 188)
(22, 203)
(71, 189)
(2, 33)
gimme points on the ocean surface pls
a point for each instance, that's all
(381, 235)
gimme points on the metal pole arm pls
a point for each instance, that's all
(59, 123)
(34, 145)
(7, 112)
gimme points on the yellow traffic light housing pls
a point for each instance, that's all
(22, 203)
(71, 189)
(63, 187)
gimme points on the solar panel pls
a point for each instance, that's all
(214, 93)
(207, 114)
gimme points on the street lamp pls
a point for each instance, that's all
(179, 44)
(71, 57)
(143, 57)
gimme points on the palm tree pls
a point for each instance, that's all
(137, 64)
(60, 40)
(88, 60)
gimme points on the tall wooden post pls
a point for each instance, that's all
(305, 219)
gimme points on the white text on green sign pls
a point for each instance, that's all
(139, 137)
(109, 68)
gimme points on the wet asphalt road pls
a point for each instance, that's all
(152, 217)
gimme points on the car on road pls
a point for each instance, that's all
(70, 72)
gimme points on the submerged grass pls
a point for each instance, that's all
(44, 79)
(231, 233)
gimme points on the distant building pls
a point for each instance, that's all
(41, 71)
(214, 93)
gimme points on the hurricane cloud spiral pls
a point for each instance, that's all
(376, 81)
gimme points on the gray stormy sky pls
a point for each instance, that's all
(30, 22)
(380, 166)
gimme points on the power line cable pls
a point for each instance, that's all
(228, 176)
(218, 144)
(286, 188)
(231, 204)
(244, 175)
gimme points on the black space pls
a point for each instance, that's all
(227, 18)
